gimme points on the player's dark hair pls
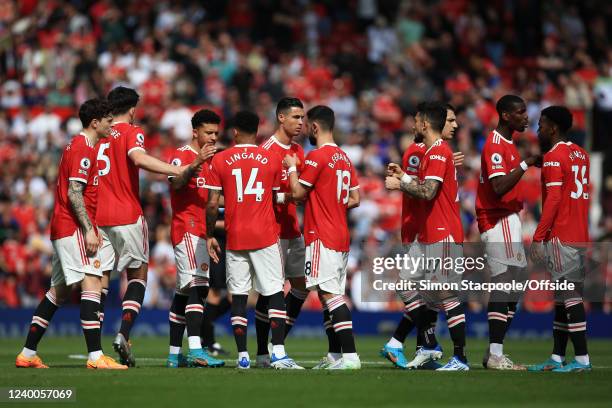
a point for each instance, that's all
(91, 109)
(560, 116)
(434, 113)
(204, 116)
(122, 99)
(450, 107)
(287, 103)
(508, 103)
(323, 115)
(246, 121)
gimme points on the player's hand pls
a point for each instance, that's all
(91, 242)
(392, 183)
(458, 158)
(100, 240)
(207, 152)
(394, 170)
(537, 252)
(290, 161)
(534, 160)
(214, 250)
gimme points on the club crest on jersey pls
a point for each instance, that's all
(496, 158)
(204, 267)
(176, 162)
(96, 264)
(85, 163)
(414, 161)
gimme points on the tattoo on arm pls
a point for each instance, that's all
(212, 209)
(424, 191)
(77, 202)
(181, 180)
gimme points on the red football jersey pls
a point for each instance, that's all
(189, 202)
(441, 214)
(499, 157)
(411, 221)
(286, 214)
(566, 167)
(331, 175)
(247, 174)
(78, 163)
(118, 188)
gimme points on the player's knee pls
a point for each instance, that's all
(298, 283)
(139, 273)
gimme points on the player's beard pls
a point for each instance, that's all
(312, 139)
(418, 138)
(545, 144)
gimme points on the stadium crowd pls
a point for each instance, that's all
(371, 61)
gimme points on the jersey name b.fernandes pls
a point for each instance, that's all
(331, 176)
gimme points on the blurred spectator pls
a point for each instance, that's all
(371, 61)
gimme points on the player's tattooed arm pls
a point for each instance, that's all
(397, 180)
(77, 203)
(424, 191)
(212, 210)
(180, 181)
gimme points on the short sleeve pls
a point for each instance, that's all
(213, 181)
(176, 160)
(552, 172)
(437, 162)
(80, 165)
(312, 168)
(135, 140)
(278, 172)
(300, 155)
(495, 164)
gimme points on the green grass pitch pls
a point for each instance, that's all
(376, 385)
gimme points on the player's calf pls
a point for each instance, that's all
(239, 327)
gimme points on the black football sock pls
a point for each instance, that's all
(262, 324)
(497, 315)
(455, 318)
(333, 343)
(294, 300)
(103, 296)
(90, 322)
(40, 320)
(277, 316)
(176, 318)
(239, 321)
(194, 310)
(403, 328)
(132, 302)
(560, 330)
(576, 323)
(342, 323)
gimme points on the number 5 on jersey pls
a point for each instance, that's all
(103, 157)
